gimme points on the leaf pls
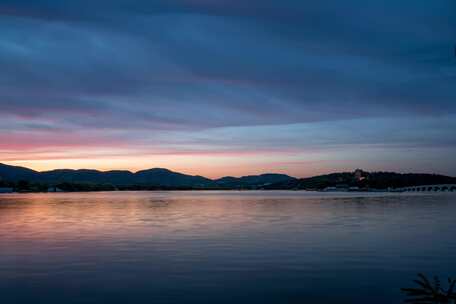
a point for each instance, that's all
(425, 282)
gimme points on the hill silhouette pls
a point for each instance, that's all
(160, 178)
(156, 177)
(366, 180)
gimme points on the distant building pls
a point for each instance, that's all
(54, 189)
(6, 190)
(359, 175)
(342, 187)
(330, 189)
(337, 188)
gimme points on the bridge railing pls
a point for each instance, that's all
(429, 188)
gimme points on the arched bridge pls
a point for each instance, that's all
(430, 188)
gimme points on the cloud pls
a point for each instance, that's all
(163, 71)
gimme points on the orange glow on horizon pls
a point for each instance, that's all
(207, 166)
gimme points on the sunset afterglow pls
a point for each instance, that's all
(224, 88)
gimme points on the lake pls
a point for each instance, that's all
(222, 247)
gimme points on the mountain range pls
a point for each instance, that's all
(159, 178)
(156, 177)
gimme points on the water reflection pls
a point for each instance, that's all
(189, 247)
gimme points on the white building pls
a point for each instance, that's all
(54, 189)
(6, 190)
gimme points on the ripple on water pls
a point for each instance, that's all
(193, 247)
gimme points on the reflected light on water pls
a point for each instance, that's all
(192, 247)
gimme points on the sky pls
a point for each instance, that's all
(229, 87)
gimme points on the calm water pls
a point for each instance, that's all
(221, 247)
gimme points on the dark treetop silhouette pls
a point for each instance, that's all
(430, 293)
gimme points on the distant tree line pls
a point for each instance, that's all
(372, 180)
(29, 186)
(359, 179)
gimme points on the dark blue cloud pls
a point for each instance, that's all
(193, 65)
